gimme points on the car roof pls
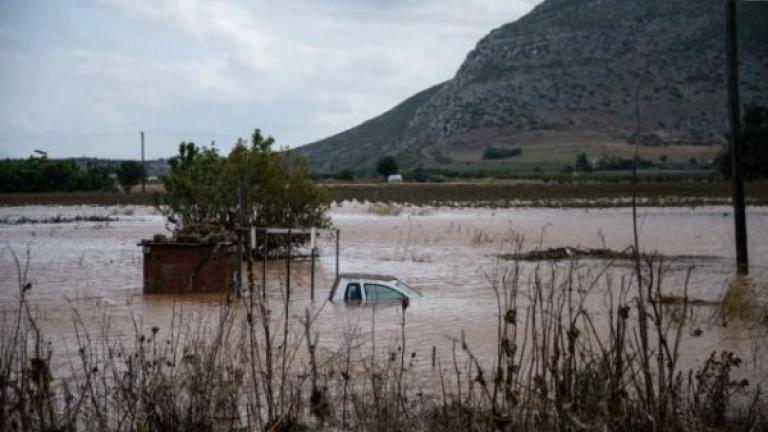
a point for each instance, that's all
(367, 276)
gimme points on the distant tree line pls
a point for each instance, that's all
(52, 175)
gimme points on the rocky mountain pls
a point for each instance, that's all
(573, 76)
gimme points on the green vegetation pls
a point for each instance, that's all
(491, 153)
(51, 175)
(204, 189)
(129, 174)
(535, 194)
(624, 164)
(343, 176)
(582, 163)
(79, 198)
(754, 143)
(603, 174)
(618, 164)
(387, 166)
(347, 175)
(551, 191)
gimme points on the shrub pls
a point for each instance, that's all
(491, 153)
(129, 174)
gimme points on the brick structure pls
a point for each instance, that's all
(171, 267)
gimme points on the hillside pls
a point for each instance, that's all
(570, 77)
(378, 136)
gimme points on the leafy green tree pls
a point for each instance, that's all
(387, 166)
(204, 188)
(129, 174)
(754, 145)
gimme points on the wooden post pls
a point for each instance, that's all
(312, 274)
(734, 120)
(264, 269)
(434, 355)
(337, 254)
(288, 270)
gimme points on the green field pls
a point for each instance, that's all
(512, 194)
(470, 194)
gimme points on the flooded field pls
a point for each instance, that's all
(450, 255)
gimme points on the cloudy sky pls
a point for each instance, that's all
(82, 77)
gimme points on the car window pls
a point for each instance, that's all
(376, 292)
(408, 290)
(353, 292)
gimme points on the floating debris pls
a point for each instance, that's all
(562, 253)
(58, 219)
(567, 252)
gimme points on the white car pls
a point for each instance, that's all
(369, 288)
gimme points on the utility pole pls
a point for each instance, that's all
(734, 120)
(143, 166)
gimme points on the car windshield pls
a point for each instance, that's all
(410, 292)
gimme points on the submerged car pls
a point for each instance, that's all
(370, 288)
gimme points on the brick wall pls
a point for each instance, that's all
(188, 268)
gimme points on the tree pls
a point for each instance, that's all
(754, 145)
(204, 188)
(129, 174)
(387, 166)
(582, 163)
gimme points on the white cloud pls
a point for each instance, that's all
(215, 22)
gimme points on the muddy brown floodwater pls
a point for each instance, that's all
(96, 269)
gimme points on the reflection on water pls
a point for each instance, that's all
(447, 254)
